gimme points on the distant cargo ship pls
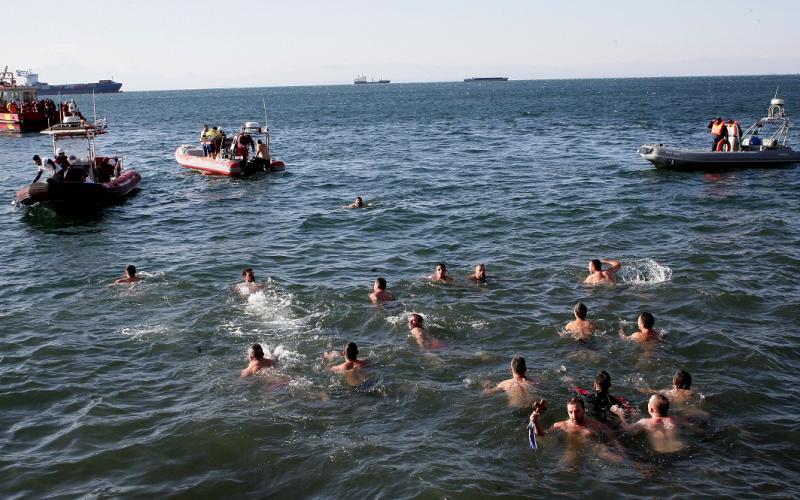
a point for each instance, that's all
(487, 79)
(361, 80)
(31, 79)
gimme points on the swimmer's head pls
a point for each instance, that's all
(480, 271)
(351, 351)
(248, 275)
(359, 202)
(441, 270)
(518, 366)
(602, 382)
(380, 284)
(580, 310)
(658, 406)
(646, 320)
(256, 352)
(130, 271)
(595, 265)
(682, 380)
(415, 320)
(576, 410)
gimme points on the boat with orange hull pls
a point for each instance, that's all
(233, 159)
(19, 109)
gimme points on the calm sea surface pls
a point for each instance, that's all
(135, 391)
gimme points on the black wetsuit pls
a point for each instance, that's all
(599, 407)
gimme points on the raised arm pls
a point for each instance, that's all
(615, 265)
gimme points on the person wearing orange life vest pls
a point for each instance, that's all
(718, 131)
(734, 133)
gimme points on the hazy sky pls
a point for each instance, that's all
(168, 44)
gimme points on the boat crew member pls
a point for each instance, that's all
(211, 138)
(734, 133)
(204, 139)
(262, 151)
(244, 142)
(47, 164)
(718, 131)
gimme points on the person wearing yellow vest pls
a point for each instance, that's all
(718, 131)
(734, 132)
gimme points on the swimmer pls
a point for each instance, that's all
(379, 292)
(596, 273)
(416, 329)
(578, 426)
(681, 391)
(662, 430)
(601, 401)
(480, 273)
(257, 361)
(580, 328)
(351, 368)
(519, 387)
(130, 276)
(350, 355)
(249, 278)
(441, 273)
(357, 203)
(646, 332)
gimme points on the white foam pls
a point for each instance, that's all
(644, 272)
(139, 331)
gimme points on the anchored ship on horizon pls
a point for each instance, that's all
(31, 79)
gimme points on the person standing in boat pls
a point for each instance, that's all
(204, 139)
(718, 132)
(734, 133)
(261, 151)
(244, 144)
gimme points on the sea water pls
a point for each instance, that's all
(119, 391)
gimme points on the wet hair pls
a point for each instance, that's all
(597, 265)
(575, 400)
(518, 365)
(647, 319)
(603, 381)
(418, 316)
(661, 405)
(580, 310)
(351, 351)
(442, 265)
(381, 283)
(36, 158)
(257, 351)
(247, 270)
(131, 269)
(682, 379)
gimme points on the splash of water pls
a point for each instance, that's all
(644, 271)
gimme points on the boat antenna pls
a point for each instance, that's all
(94, 107)
(266, 127)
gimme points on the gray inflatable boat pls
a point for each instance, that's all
(764, 144)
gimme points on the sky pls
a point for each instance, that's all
(177, 44)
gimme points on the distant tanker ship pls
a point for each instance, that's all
(31, 79)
